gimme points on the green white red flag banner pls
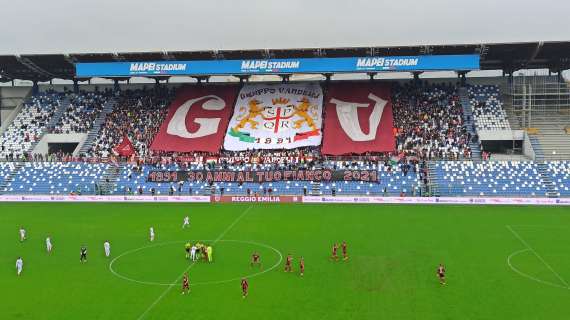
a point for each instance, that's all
(276, 116)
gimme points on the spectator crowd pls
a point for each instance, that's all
(82, 111)
(428, 122)
(137, 115)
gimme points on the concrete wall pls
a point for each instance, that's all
(42, 146)
(12, 96)
(7, 116)
(11, 103)
(527, 147)
(4, 114)
(496, 135)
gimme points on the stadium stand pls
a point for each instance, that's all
(559, 172)
(429, 124)
(541, 105)
(453, 178)
(133, 180)
(28, 126)
(6, 169)
(138, 115)
(57, 178)
(394, 179)
(487, 108)
(428, 121)
(81, 112)
(495, 178)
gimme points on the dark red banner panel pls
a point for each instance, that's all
(358, 119)
(197, 119)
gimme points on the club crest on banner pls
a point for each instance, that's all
(275, 117)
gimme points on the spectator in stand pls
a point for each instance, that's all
(82, 111)
(29, 125)
(138, 115)
(428, 122)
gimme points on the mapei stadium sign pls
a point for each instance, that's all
(263, 176)
(278, 66)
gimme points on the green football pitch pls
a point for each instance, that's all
(502, 262)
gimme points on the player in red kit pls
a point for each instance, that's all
(288, 262)
(334, 252)
(244, 287)
(441, 273)
(344, 251)
(302, 266)
(185, 284)
(255, 259)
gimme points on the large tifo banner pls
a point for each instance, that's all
(278, 66)
(358, 119)
(276, 116)
(261, 176)
(196, 120)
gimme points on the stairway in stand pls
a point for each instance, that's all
(547, 181)
(99, 121)
(108, 180)
(433, 183)
(315, 188)
(469, 122)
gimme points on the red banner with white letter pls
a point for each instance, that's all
(197, 119)
(358, 119)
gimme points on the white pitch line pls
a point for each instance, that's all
(538, 256)
(510, 264)
(191, 265)
(115, 273)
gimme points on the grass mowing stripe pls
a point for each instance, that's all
(193, 263)
(538, 256)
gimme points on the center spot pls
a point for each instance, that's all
(163, 263)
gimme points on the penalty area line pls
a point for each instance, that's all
(167, 290)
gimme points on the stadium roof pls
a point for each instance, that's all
(508, 57)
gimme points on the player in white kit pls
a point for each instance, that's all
(151, 230)
(186, 222)
(19, 265)
(48, 244)
(107, 247)
(193, 253)
(22, 234)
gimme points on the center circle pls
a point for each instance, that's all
(160, 263)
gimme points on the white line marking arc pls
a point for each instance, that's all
(526, 275)
(538, 256)
(114, 272)
(194, 263)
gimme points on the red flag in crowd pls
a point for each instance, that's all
(125, 148)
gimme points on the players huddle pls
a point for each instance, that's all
(199, 251)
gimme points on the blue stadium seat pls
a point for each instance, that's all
(57, 178)
(495, 178)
